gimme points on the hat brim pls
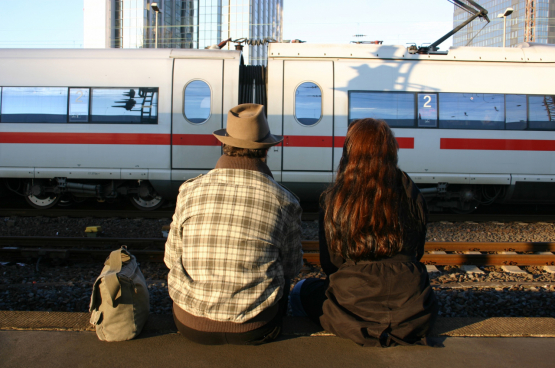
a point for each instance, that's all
(269, 141)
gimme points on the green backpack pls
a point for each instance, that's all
(120, 300)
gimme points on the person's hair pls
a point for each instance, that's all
(367, 208)
(244, 152)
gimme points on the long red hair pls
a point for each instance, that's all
(367, 207)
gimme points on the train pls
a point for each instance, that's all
(475, 125)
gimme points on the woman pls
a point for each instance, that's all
(372, 235)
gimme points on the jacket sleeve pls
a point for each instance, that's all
(422, 211)
(292, 250)
(330, 263)
(174, 241)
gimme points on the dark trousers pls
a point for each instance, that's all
(313, 296)
(261, 335)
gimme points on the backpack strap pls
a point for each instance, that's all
(111, 278)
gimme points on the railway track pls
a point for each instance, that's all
(307, 215)
(437, 253)
(120, 213)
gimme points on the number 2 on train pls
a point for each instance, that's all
(427, 104)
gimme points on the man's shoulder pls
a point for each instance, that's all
(253, 179)
(191, 181)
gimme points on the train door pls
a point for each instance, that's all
(197, 112)
(307, 121)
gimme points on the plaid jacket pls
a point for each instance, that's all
(235, 235)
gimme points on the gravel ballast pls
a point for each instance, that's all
(67, 287)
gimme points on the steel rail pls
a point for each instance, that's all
(306, 216)
(152, 249)
(77, 213)
(308, 245)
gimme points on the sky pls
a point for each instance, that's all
(48, 23)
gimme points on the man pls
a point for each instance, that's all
(234, 241)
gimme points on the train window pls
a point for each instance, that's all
(471, 111)
(78, 105)
(427, 110)
(308, 103)
(134, 105)
(541, 113)
(515, 111)
(34, 105)
(396, 108)
(197, 101)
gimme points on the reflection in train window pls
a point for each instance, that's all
(471, 111)
(541, 112)
(196, 106)
(397, 109)
(78, 105)
(515, 118)
(132, 105)
(34, 105)
(308, 103)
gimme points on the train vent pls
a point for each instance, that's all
(252, 84)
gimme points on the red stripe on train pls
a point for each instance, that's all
(165, 139)
(307, 141)
(404, 142)
(497, 144)
(85, 138)
(195, 140)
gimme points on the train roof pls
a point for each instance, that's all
(525, 52)
(119, 53)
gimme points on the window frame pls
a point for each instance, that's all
(183, 101)
(112, 87)
(437, 93)
(2, 104)
(89, 107)
(321, 104)
(414, 108)
(477, 93)
(528, 114)
(417, 107)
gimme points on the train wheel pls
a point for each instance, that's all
(43, 202)
(40, 195)
(147, 199)
(147, 204)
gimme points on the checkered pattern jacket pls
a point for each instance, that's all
(235, 236)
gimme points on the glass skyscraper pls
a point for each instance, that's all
(183, 24)
(531, 21)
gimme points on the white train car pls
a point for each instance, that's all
(103, 123)
(476, 125)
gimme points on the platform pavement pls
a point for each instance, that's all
(302, 345)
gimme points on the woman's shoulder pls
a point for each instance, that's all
(415, 196)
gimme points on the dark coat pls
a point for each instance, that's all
(381, 302)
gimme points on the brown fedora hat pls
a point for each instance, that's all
(247, 128)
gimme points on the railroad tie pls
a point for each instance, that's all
(432, 268)
(512, 269)
(550, 269)
(471, 268)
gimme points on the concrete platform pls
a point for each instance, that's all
(54, 339)
(83, 349)
(292, 326)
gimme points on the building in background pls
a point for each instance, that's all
(531, 21)
(186, 24)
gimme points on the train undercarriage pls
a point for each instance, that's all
(443, 197)
(47, 193)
